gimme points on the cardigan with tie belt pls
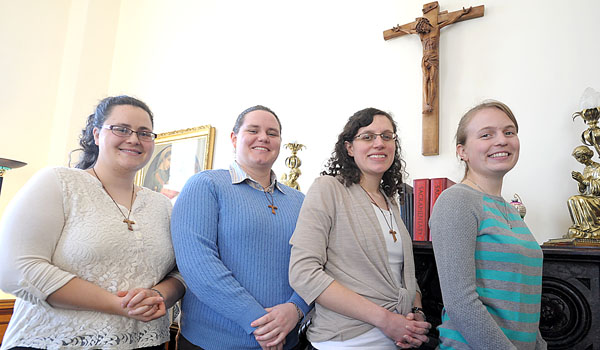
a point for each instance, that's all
(338, 237)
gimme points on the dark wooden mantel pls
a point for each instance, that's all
(570, 315)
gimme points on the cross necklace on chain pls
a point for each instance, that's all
(270, 200)
(126, 218)
(391, 223)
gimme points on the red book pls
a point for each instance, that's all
(421, 189)
(438, 185)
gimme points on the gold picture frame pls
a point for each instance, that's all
(177, 156)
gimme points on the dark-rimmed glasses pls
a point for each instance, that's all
(369, 136)
(123, 131)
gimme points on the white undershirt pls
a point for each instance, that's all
(395, 252)
(375, 339)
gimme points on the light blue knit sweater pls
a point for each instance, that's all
(233, 254)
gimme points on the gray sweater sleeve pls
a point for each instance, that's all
(454, 227)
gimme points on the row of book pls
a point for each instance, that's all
(417, 202)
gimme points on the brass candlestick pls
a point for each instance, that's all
(293, 162)
(6, 165)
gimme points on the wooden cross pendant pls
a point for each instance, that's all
(393, 233)
(273, 208)
(428, 28)
(129, 223)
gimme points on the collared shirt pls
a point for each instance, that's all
(238, 175)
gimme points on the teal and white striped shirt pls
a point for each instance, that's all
(490, 271)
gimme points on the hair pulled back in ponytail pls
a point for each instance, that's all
(86, 140)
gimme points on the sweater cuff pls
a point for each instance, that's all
(298, 301)
(252, 314)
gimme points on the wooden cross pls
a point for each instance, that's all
(428, 28)
(129, 223)
(393, 233)
(273, 208)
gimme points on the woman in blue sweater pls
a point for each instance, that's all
(231, 231)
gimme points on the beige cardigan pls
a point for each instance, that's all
(338, 237)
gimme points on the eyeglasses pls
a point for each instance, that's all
(369, 136)
(123, 131)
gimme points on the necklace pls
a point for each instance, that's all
(389, 225)
(271, 200)
(505, 216)
(126, 218)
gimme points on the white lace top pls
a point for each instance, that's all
(62, 224)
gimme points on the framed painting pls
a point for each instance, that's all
(177, 156)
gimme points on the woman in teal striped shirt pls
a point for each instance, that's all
(489, 263)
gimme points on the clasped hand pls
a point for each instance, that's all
(408, 332)
(273, 327)
(142, 304)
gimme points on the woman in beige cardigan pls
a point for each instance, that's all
(351, 253)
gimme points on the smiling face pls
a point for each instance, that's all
(492, 145)
(257, 142)
(375, 157)
(127, 153)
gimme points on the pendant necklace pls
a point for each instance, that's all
(501, 211)
(126, 218)
(270, 200)
(392, 232)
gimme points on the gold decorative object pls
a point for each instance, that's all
(591, 136)
(6, 165)
(293, 162)
(584, 207)
(518, 204)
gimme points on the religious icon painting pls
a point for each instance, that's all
(177, 156)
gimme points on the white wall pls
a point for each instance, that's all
(314, 63)
(32, 39)
(317, 62)
(55, 59)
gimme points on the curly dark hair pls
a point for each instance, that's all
(342, 165)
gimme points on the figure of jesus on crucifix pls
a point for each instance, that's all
(430, 38)
(428, 28)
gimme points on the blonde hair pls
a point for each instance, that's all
(461, 131)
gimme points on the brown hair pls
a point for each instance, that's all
(343, 166)
(87, 142)
(461, 131)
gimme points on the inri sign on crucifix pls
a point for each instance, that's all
(428, 28)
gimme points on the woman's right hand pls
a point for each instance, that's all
(405, 331)
(142, 304)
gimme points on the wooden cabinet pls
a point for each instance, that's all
(6, 310)
(570, 313)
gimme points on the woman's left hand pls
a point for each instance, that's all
(416, 340)
(276, 324)
(142, 304)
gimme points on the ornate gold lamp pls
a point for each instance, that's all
(584, 207)
(591, 136)
(293, 162)
(6, 165)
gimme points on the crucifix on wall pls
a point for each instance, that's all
(428, 28)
